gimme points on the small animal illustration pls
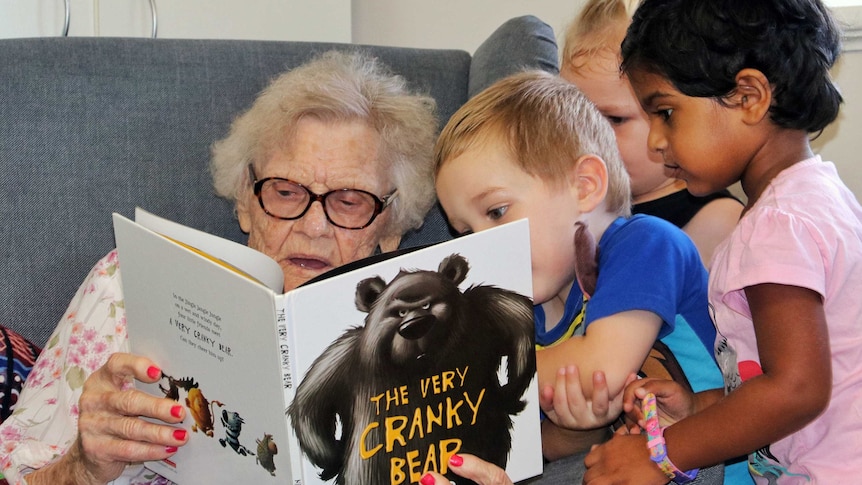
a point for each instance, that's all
(419, 327)
(174, 386)
(232, 423)
(266, 451)
(202, 411)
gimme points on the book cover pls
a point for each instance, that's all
(374, 375)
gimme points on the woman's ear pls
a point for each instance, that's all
(243, 213)
(389, 243)
(753, 95)
(589, 177)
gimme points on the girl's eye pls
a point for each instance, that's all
(664, 113)
(497, 212)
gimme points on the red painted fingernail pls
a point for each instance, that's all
(456, 460)
(427, 479)
(179, 434)
(176, 411)
(170, 449)
(154, 372)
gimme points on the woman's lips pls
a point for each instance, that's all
(309, 263)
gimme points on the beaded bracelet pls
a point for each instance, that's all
(656, 444)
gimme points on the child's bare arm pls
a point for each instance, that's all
(558, 442)
(795, 386)
(616, 345)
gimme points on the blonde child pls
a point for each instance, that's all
(533, 146)
(733, 90)
(590, 59)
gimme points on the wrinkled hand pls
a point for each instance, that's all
(624, 460)
(111, 433)
(674, 401)
(567, 406)
(471, 467)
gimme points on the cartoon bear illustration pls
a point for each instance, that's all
(419, 381)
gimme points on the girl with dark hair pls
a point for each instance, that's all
(733, 89)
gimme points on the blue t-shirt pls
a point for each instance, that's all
(645, 263)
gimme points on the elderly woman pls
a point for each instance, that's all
(330, 164)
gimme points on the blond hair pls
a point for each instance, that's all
(546, 124)
(339, 87)
(599, 27)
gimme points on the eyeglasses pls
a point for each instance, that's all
(346, 208)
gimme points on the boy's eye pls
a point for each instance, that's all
(616, 120)
(497, 212)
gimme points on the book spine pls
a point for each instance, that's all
(286, 347)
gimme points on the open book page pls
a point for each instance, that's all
(213, 332)
(345, 380)
(411, 401)
(245, 259)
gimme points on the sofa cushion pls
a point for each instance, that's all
(524, 42)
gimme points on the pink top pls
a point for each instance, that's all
(806, 231)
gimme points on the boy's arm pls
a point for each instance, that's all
(616, 345)
(560, 442)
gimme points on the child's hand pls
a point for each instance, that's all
(567, 406)
(674, 401)
(625, 459)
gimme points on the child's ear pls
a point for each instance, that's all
(753, 95)
(589, 176)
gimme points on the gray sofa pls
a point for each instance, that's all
(91, 126)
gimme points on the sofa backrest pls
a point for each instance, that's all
(91, 126)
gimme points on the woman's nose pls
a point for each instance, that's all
(314, 221)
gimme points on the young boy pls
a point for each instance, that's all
(533, 146)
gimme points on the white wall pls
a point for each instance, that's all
(464, 24)
(448, 24)
(457, 24)
(841, 142)
(313, 20)
(44, 18)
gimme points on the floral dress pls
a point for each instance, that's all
(45, 422)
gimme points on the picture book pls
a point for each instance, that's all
(372, 375)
